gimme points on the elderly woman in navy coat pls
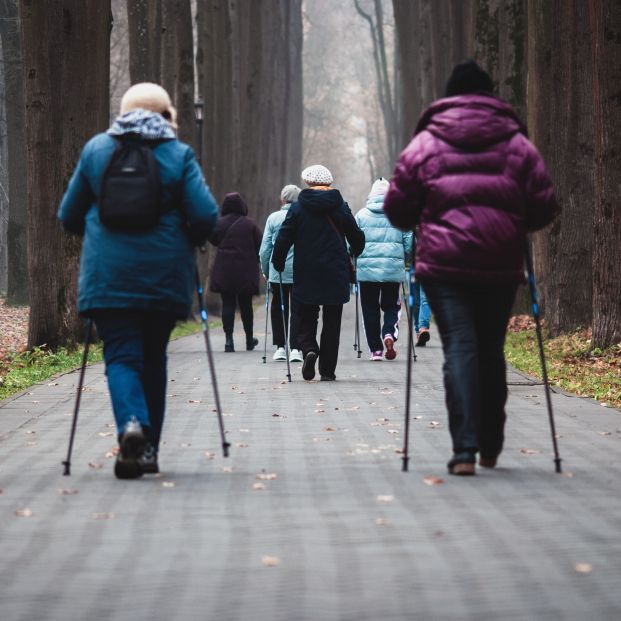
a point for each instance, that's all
(319, 224)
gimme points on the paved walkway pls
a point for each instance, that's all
(311, 517)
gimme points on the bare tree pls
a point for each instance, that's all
(16, 171)
(605, 24)
(145, 29)
(66, 45)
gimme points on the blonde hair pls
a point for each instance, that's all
(149, 96)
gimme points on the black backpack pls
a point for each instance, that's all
(131, 197)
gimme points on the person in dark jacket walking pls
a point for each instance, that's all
(136, 285)
(318, 224)
(476, 185)
(235, 273)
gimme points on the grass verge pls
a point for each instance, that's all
(572, 363)
(21, 370)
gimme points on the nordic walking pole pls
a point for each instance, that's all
(67, 462)
(357, 290)
(267, 313)
(212, 368)
(406, 440)
(408, 312)
(544, 371)
(284, 325)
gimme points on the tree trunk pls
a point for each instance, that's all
(605, 24)
(145, 33)
(17, 232)
(66, 46)
(560, 111)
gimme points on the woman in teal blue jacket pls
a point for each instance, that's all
(135, 285)
(289, 194)
(380, 272)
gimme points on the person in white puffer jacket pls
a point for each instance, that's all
(288, 195)
(380, 272)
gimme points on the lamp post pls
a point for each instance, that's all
(198, 113)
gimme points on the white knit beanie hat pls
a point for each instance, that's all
(379, 187)
(317, 175)
(149, 96)
(289, 193)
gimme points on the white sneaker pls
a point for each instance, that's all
(280, 354)
(296, 356)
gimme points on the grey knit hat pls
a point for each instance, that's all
(289, 193)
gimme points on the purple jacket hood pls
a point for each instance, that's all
(471, 121)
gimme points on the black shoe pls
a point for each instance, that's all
(251, 343)
(462, 464)
(229, 346)
(423, 337)
(308, 367)
(148, 461)
(131, 448)
(328, 378)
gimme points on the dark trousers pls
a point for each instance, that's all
(278, 332)
(229, 304)
(376, 297)
(472, 321)
(135, 354)
(328, 349)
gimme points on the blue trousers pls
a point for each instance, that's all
(472, 321)
(135, 355)
(421, 311)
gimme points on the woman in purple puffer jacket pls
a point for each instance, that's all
(476, 186)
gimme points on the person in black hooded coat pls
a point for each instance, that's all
(318, 225)
(235, 273)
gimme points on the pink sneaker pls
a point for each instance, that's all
(377, 355)
(389, 343)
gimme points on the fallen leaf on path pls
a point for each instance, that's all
(417, 417)
(433, 480)
(258, 486)
(241, 445)
(267, 476)
(30, 432)
(605, 433)
(386, 498)
(270, 561)
(168, 484)
(227, 469)
(67, 492)
(53, 384)
(434, 423)
(381, 521)
(105, 434)
(382, 420)
(94, 466)
(319, 411)
(527, 451)
(103, 516)
(353, 409)
(194, 400)
(393, 431)
(26, 512)
(209, 455)
(569, 475)
(276, 415)
(185, 444)
(399, 450)
(329, 429)
(583, 568)
(244, 431)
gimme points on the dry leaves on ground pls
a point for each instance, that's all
(270, 561)
(433, 480)
(13, 329)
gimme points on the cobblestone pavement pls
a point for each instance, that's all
(311, 517)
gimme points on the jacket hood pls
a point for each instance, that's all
(471, 121)
(148, 125)
(375, 204)
(320, 201)
(234, 203)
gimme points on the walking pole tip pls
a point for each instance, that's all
(557, 463)
(404, 467)
(67, 471)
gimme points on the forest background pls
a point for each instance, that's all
(287, 83)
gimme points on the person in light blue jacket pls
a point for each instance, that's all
(380, 272)
(136, 284)
(288, 195)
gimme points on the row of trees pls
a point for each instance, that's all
(57, 72)
(559, 63)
